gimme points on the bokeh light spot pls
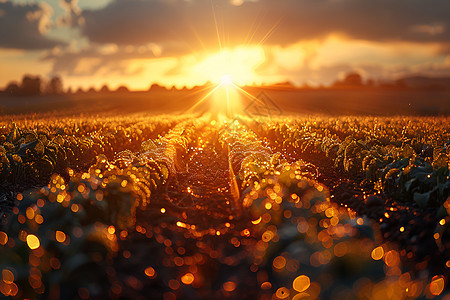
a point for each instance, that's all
(33, 241)
(301, 283)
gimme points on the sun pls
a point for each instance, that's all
(228, 71)
(226, 79)
(230, 66)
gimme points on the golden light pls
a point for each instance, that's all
(60, 236)
(3, 238)
(437, 285)
(226, 80)
(33, 241)
(377, 253)
(279, 262)
(7, 276)
(301, 283)
(227, 70)
(187, 278)
(229, 286)
(150, 272)
(237, 65)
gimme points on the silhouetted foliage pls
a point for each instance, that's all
(352, 79)
(79, 90)
(31, 85)
(122, 89)
(157, 88)
(55, 86)
(105, 89)
(12, 89)
(285, 85)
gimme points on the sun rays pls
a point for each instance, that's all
(231, 68)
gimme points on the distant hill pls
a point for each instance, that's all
(426, 82)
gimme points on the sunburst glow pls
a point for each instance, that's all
(227, 70)
(236, 66)
(226, 80)
(226, 100)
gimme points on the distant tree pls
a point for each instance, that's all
(69, 90)
(55, 86)
(285, 84)
(91, 90)
(12, 89)
(31, 85)
(352, 79)
(104, 89)
(79, 90)
(157, 88)
(122, 89)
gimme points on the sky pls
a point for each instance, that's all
(189, 42)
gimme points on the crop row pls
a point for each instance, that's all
(282, 235)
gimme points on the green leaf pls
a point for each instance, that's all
(410, 184)
(422, 199)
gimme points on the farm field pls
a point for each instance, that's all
(326, 102)
(203, 206)
(224, 149)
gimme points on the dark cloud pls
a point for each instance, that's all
(139, 22)
(108, 56)
(130, 29)
(24, 26)
(191, 23)
(378, 20)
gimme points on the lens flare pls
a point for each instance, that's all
(227, 79)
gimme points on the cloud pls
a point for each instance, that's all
(24, 26)
(191, 24)
(377, 37)
(92, 59)
(72, 16)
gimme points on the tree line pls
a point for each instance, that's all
(35, 85)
